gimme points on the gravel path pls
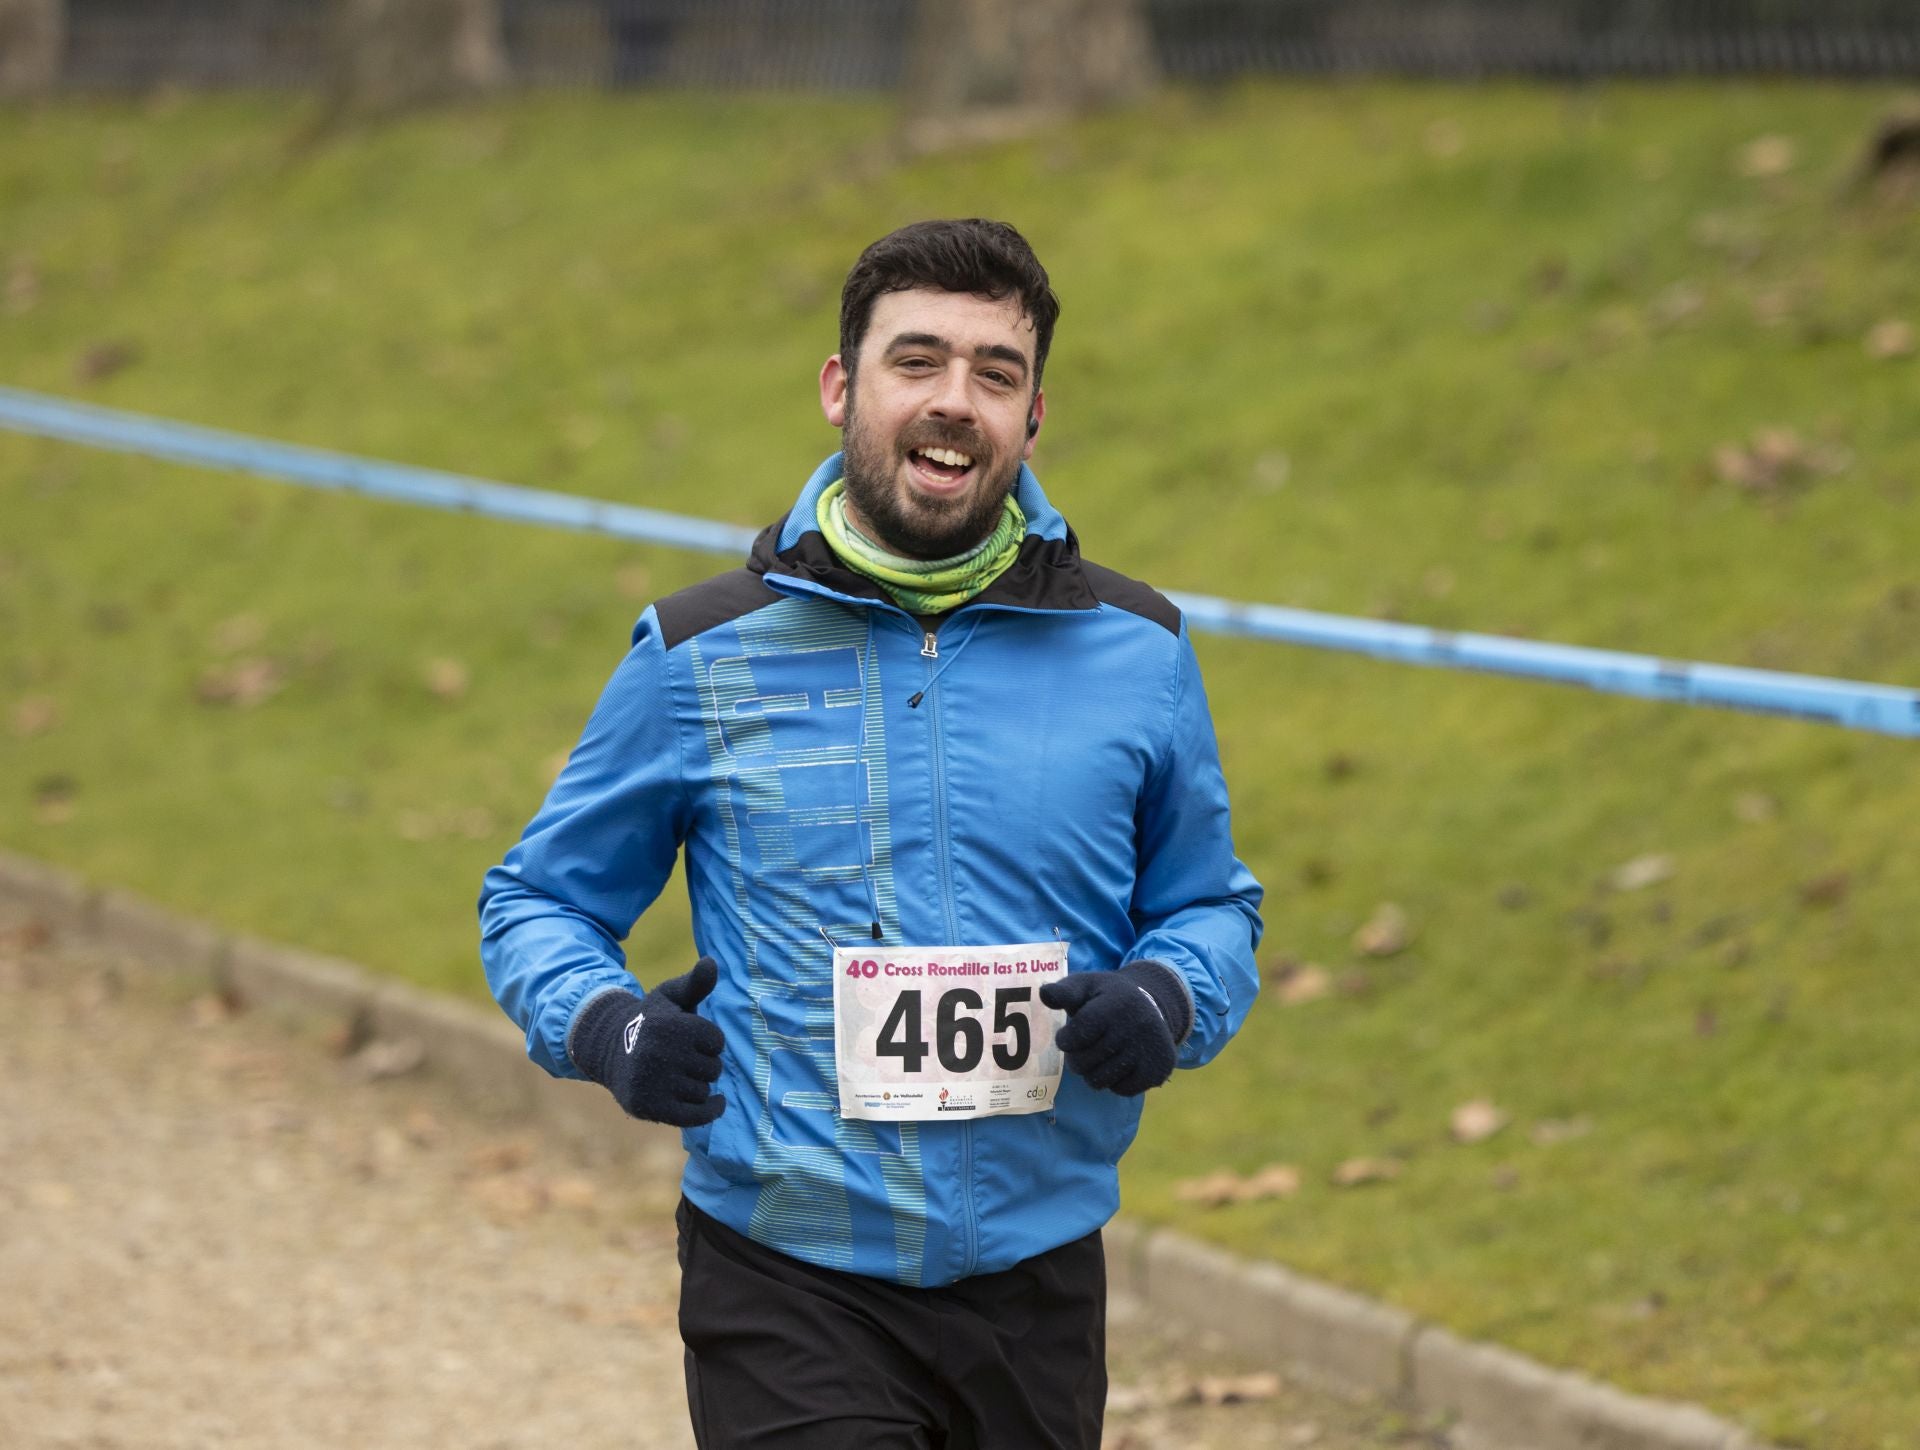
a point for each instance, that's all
(215, 1231)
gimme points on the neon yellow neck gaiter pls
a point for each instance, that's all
(921, 586)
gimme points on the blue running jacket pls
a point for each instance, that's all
(1044, 766)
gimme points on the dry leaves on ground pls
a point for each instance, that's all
(1642, 872)
(1358, 1171)
(1276, 1180)
(446, 678)
(1476, 1121)
(1886, 341)
(1385, 933)
(35, 715)
(1776, 458)
(242, 684)
(1766, 156)
(104, 359)
(1303, 983)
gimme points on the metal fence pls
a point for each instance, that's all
(862, 45)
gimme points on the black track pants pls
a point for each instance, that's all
(781, 1353)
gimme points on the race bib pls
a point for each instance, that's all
(946, 1032)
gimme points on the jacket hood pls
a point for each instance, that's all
(1046, 574)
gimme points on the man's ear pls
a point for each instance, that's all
(1036, 415)
(834, 380)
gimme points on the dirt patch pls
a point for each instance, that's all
(214, 1231)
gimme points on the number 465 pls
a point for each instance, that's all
(959, 1040)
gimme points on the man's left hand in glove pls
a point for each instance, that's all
(1124, 1028)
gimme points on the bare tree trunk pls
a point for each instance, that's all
(395, 53)
(1014, 60)
(33, 33)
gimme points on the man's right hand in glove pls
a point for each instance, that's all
(655, 1054)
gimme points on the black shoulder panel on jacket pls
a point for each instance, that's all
(1131, 595)
(700, 607)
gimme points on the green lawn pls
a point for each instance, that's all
(1456, 356)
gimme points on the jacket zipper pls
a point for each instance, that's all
(930, 651)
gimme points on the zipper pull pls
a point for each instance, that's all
(929, 646)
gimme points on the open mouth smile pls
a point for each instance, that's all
(941, 470)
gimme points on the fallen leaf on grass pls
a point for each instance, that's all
(1828, 890)
(446, 678)
(104, 359)
(1766, 156)
(1776, 458)
(1385, 933)
(1642, 872)
(633, 581)
(1476, 1121)
(1210, 1191)
(1755, 807)
(1886, 341)
(35, 715)
(242, 684)
(1304, 984)
(1357, 1171)
(53, 799)
(1276, 1180)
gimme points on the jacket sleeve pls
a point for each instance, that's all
(1196, 906)
(554, 912)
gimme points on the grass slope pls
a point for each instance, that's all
(1450, 355)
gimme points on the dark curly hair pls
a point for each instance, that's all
(986, 258)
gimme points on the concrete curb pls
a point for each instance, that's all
(1494, 1399)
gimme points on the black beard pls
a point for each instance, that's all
(912, 524)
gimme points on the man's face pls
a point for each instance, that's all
(942, 371)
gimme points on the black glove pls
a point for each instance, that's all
(655, 1054)
(1123, 1028)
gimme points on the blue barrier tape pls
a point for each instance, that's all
(317, 468)
(1885, 709)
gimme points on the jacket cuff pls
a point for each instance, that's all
(1169, 992)
(597, 1027)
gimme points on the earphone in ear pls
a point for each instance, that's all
(1033, 424)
